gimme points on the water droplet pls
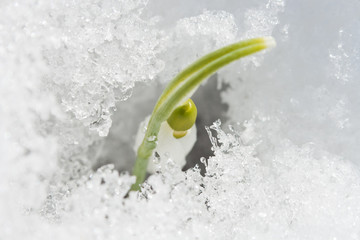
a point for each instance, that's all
(151, 138)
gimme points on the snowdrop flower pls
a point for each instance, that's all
(176, 137)
(170, 128)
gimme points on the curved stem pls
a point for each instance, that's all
(181, 86)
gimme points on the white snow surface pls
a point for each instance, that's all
(285, 163)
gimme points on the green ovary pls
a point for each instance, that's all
(183, 118)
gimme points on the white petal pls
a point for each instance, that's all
(168, 146)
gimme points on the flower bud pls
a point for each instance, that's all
(183, 118)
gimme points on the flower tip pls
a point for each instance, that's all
(270, 42)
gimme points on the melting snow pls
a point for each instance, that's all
(287, 168)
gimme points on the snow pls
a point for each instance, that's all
(78, 77)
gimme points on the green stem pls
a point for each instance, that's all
(181, 86)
